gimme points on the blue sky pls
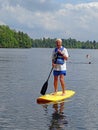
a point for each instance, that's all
(52, 18)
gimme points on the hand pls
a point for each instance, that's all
(53, 65)
(60, 52)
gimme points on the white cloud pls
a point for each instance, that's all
(2, 23)
(42, 1)
(82, 18)
(77, 20)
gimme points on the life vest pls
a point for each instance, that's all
(59, 59)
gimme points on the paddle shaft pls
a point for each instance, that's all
(52, 68)
(50, 74)
(44, 88)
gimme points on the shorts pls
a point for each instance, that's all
(57, 73)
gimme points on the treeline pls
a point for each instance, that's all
(68, 43)
(12, 39)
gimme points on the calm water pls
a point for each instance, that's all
(22, 74)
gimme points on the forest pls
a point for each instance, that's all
(68, 43)
(10, 38)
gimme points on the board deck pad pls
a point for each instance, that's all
(56, 97)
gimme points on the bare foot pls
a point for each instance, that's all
(54, 93)
(63, 94)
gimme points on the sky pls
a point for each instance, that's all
(76, 19)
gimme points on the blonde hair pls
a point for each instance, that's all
(59, 40)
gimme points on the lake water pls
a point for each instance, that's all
(23, 73)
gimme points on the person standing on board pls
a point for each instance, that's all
(59, 58)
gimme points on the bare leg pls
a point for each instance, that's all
(55, 84)
(62, 84)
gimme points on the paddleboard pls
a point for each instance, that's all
(56, 97)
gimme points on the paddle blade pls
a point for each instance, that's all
(44, 88)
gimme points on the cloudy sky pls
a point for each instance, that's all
(52, 18)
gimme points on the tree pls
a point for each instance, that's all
(12, 39)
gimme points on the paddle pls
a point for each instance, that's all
(45, 86)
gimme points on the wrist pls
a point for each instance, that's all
(62, 54)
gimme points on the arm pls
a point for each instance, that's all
(53, 64)
(64, 54)
(65, 57)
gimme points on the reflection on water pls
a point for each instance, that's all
(58, 120)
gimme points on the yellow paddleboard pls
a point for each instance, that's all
(56, 97)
